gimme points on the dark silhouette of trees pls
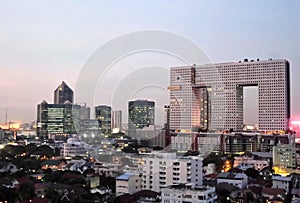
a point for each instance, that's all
(26, 191)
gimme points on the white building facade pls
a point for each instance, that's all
(73, 147)
(166, 169)
(211, 96)
(181, 194)
(244, 162)
(128, 183)
(239, 180)
(281, 182)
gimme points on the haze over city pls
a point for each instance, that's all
(43, 43)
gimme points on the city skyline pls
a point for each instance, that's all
(51, 42)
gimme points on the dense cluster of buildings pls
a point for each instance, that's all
(64, 118)
(204, 154)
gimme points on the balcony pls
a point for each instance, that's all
(162, 183)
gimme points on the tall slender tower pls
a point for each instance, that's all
(103, 115)
(63, 93)
(116, 120)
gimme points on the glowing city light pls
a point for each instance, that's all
(295, 122)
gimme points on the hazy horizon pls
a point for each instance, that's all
(45, 43)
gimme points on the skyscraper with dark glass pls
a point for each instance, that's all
(103, 115)
(61, 118)
(63, 93)
(57, 119)
(141, 114)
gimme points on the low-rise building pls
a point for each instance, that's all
(73, 147)
(281, 182)
(164, 169)
(128, 183)
(250, 160)
(53, 164)
(284, 156)
(186, 193)
(209, 169)
(239, 180)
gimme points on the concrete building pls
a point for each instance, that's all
(116, 120)
(235, 143)
(249, 160)
(202, 142)
(281, 182)
(128, 183)
(186, 193)
(89, 127)
(284, 156)
(211, 96)
(164, 169)
(210, 169)
(85, 112)
(239, 180)
(73, 147)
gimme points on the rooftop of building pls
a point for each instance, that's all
(125, 176)
(52, 162)
(244, 61)
(188, 187)
(228, 175)
(263, 154)
(282, 178)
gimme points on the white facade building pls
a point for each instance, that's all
(128, 183)
(210, 169)
(211, 96)
(239, 180)
(183, 193)
(202, 142)
(73, 147)
(247, 161)
(116, 121)
(164, 169)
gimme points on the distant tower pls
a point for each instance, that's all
(103, 115)
(63, 93)
(85, 112)
(117, 120)
(141, 113)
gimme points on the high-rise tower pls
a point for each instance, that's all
(103, 115)
(211, 96)
(117, 120)
(63, 93)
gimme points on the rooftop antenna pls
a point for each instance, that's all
(6, 116)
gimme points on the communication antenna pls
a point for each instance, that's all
(6, 116)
